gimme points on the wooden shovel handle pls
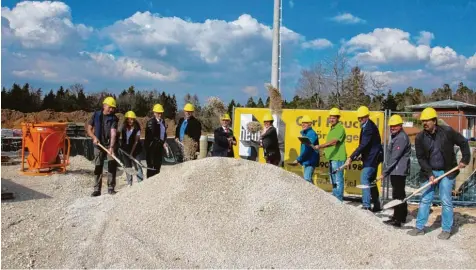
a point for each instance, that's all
(430, 183)
(109, 153)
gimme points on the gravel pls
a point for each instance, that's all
(211, 213)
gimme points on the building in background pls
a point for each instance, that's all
(459, 115)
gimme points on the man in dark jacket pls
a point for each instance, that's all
(269, 141)
(398, 168)
(224, 139)
(370, 149)
(436, 155)
(190, 126)
(154, 142)
(102, 128)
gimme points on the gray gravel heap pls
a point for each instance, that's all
(227, 213)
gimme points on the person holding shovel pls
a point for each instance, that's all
(435, 153)
(130, 144)
(398, 168)
(224, 139)
(154, 142)
(269, 141)
(371, 151)
(190, 126)
(102, 128)
(309, 158)
(334, 149)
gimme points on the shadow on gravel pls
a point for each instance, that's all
(459, 221)
(21, 193)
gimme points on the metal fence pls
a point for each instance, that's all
(464, 192)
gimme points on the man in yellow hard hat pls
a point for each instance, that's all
(269, 141)
(398, 168)
(102, 128)
(371, 151)
(155, 140)
(436, 155)
(189, 125)
(130, 143)
(308, 158)
(224, 140)
(335, 152)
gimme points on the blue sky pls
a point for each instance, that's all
(223, 48)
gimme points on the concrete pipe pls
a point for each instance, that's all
(203, 146)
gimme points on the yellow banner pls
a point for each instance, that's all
(289, 131)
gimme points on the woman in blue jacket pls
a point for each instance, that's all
(309, 157)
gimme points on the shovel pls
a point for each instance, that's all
(338, 169)
(394, 203)
(371, 185)
(135, 160)
(128, 171)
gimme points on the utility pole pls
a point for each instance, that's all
(276, 58)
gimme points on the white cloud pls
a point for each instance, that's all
(393, 46)
(45, 25)
(211, 42)
(291, 3)
(320, 43)
(251, 91)
(425, 38)
(400, 77)
(471, 63)
(348, 19)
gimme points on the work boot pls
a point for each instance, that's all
(444, 235)
(396, 224)
(415, 232)
(376, 209)
(366, 208)
(96, 193)
(111, 192)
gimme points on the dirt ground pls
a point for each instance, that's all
(13, 119)
(39, 206)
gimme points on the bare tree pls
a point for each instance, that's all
(313, 85)
(338, 67)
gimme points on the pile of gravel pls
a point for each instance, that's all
(228, 213)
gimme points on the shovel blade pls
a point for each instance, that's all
(392, 204)
(364, 186)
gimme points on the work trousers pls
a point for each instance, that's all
(223, 153)
(368, 177)
(400, 212)
(337, 179)
(99, 157)
(154, 156)
(308, 173)
(445, 187)
(273, 159)
(129, 163)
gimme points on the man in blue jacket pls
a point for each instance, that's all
(309, 158)
(371, 151)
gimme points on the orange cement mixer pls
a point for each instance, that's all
(48, 148)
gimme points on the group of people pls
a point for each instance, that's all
(103, 128)
(434, 150)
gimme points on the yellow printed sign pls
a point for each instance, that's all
(289, 130)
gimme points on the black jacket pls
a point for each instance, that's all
(193, 130)
(446, 138)
(370, 146)
(221, 143)
(270, 142)
(152, 134)
(127, 146)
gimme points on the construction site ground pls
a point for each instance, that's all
(40, 203)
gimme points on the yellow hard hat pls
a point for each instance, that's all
(395, 120)
(158, 108)
(130, 114)
(428, 113)
(189, 107)
(226, 117)
(268, 117)
(334, 112)
(110, 101)
(363, 111)
(306, 119)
